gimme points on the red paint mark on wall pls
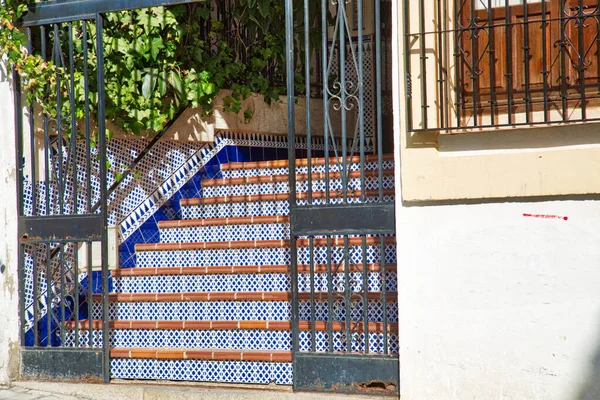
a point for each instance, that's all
(545, 216)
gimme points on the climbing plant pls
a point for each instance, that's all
(160, 59)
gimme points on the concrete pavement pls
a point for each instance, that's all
(34, 390)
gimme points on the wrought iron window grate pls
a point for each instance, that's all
(492, 63)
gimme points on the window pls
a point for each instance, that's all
(524, 51)
(502, 62)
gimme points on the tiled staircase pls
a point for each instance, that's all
(211, 301)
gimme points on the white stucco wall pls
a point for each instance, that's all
(9, 321)
(498, 305)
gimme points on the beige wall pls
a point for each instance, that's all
(532, 161)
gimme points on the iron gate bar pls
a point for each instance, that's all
(328, 372)
(56, 11)
(18, 116)
(344, 219)
(289, 46)
(103, 195)
(61, 363)
(57, 228)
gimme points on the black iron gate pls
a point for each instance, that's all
(62, 192)
(62, 209)
(342, 219)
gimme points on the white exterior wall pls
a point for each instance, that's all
(9, 299)
(496, 305)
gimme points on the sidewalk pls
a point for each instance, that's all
(34, 390)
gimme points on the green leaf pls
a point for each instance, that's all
(263, 7)
(175, 81)
(149, 84)
(156, 45)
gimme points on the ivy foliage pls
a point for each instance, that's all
(158, 60)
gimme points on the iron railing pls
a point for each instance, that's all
(492, 63)
(341, 218)
(63, 195)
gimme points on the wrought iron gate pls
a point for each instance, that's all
(334, 228)
(62, 192)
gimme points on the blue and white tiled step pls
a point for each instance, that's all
(260, 252)
(211, 301)
(280, 167)
(253, 335)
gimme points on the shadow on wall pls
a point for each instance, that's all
(590, 389)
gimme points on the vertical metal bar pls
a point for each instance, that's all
(474, 37)
(103, 196)
(526, 60)
(289, 47)
(509, 69)
(76, 297)
(330, 297)
(378, 96)
(379, 158)
(563, 65)
(545, 61)
(361, 101)
(61, 187)
(313, 324)
(460, 61)
(62, 294)
(36, 293)
(32, 138)
(423, 64)
(440, 61)
(49, 312)
(47, 162)
(90, 293)
(365, 284)
(347, 295)
(18, 116)
(384, 295)
(342, 69)
(21, 288)
(407, 60)
(325, 72)
(86, 91)
(18, 132)
(492, 61)
(581, 58)
(73, 123)
(307, 83)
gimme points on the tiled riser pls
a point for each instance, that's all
(225, 233)
(244, 283)
(222, 233)
(302, 186)
(233, 339)
(257, 208)
(199, 370)
(369, 166)
(258, 256)
(241, 311)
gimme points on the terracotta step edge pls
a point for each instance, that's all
(202, 354)
(301, 162)
(255, 244)
(284, 177)
(196, 201)
(320, 326)
(391, 297)
(239, 269)
(186, 223)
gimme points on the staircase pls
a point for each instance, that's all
(211, 300)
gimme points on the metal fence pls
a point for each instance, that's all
(487, 63)
(342, 212)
